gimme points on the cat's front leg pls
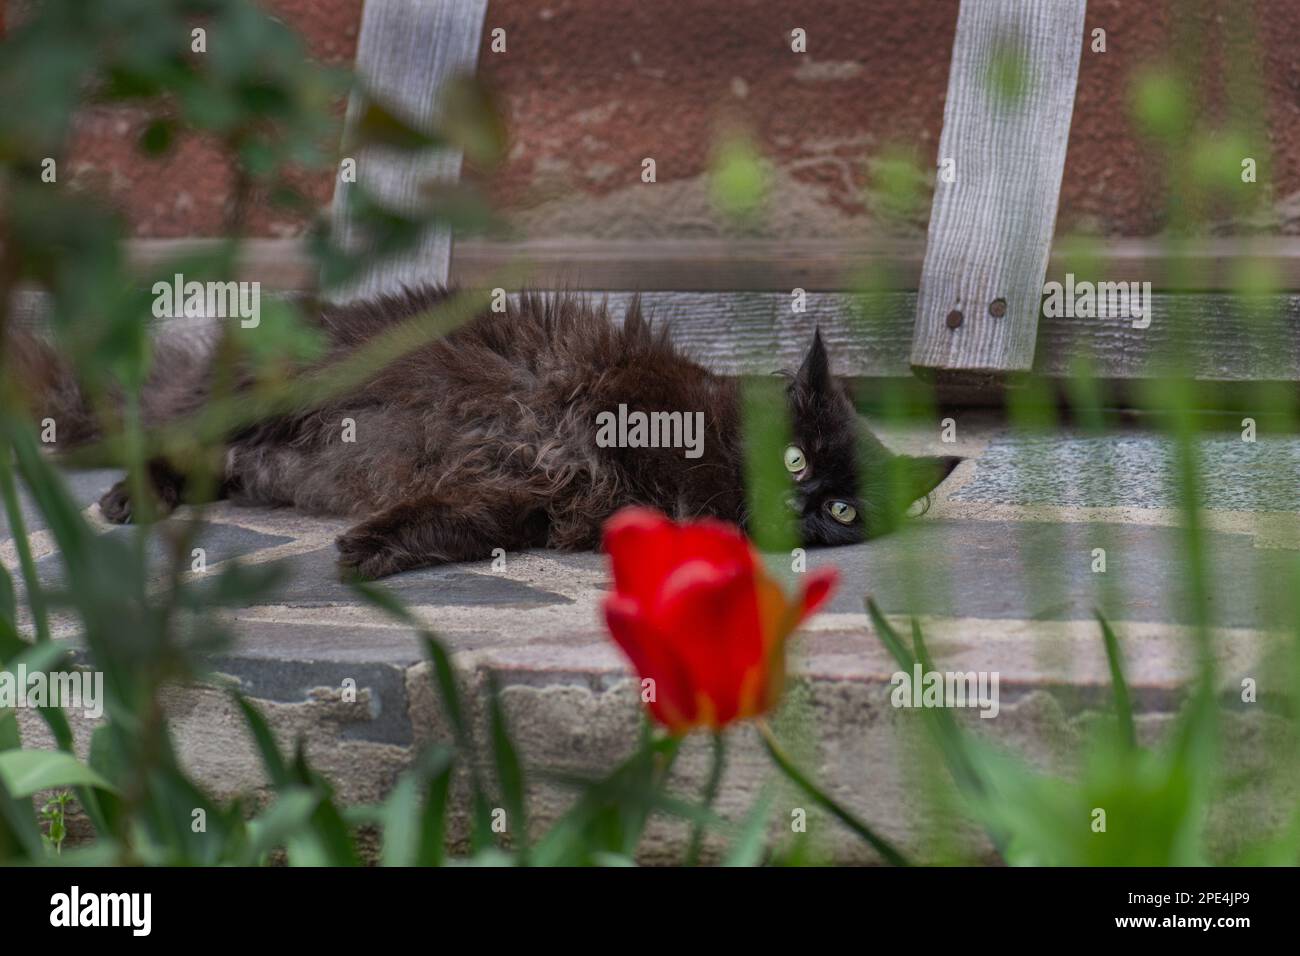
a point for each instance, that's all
(167, 484)
(438, 530)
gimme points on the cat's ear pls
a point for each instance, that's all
(922, 475)
(815, 373)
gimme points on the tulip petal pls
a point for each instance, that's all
(714, 541)
(673, 702)
(644, 548)
(710, 614)
(639, 542)
(816, 589)
(694, 609)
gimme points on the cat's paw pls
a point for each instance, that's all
(366, 555)
(115, 505)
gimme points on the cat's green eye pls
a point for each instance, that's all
(842, 511)
(794, 460)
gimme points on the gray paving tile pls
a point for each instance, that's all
(1135, 470)
(315, 581)
(86, 487)
(220, 542)
(1043, 571)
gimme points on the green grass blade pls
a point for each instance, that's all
(840, 812)
(1120, 690)
(957, 753)
(277, 826)
(748, 848)
(272, 759)
(509, 769)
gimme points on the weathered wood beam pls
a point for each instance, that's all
(869, 337)
(1006, 123)
(406, 51)
(715, 265)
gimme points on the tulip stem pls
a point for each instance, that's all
(710, 794)
(782, 760)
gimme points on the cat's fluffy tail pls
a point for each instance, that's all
(47, 385)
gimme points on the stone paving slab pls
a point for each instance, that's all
(1017, 508)
(1135, 470)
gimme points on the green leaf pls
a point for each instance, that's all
(433, 822)
(18, 531)
(402, 823)
(510, 773)
(471, 118)
(611, 814)
(272, 759)
(61, 513)
(25, 772)
(739, 178)
(838, 810)
(748, 847)
(20, 837)
(42, 658)
(766, 417)
(330, 841)
(157, 137)
(379, 126)
(449, 693)
(8, 602)
(1123, 703)
(282, 822)
(952, 742)
(601, 858)
(413, 833)
(10, 738)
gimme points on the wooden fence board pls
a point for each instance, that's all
(870, 337)
(1006, 123)
(406, 50)
(717, 265)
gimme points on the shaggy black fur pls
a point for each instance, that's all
(487, 438)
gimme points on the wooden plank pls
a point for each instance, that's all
(756, 333)
(717, 265)
(276, 263)
(869, 337)
(1205, 265)
(406, 50)
(991, 227)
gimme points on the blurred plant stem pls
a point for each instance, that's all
(779, 757)
(717, 765)
(18, 533)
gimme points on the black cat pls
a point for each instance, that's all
(501, 435)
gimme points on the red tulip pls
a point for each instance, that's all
(696, 612)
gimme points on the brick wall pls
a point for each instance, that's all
(591, 87)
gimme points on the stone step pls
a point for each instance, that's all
(1000, 570)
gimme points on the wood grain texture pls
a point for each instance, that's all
(869, 337)
(406, 50)
(1198, 265)
(775, 265)
(991, 228)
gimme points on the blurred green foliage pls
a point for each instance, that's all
(253, 92)
(273, 112)
(738, 178)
